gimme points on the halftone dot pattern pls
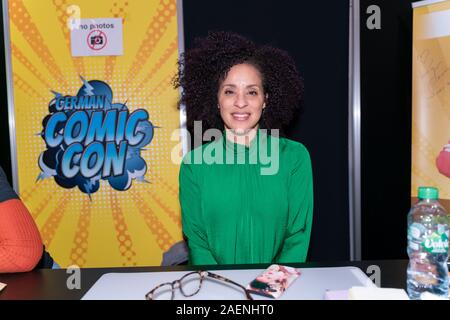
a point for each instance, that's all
(172, 49)
(63, 16)
(23, 85)
(167, 185)
(109, 68)
(165, 84)
(36, 212)
(122, 234)
(26, 193)
(118, 11)
(174, 216)
(30, 144)
(51, 225)
(155, 30)
(16, 53)
(163, 238)
(80, 240)
(21, 18)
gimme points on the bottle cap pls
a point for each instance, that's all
(430, 193)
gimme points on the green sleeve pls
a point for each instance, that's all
(191, 214)
(300, 195)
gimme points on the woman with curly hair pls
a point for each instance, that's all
(235, 212)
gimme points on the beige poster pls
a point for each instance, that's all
(431, 99)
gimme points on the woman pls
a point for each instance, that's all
(236, 209)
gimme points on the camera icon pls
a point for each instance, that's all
(97, 40)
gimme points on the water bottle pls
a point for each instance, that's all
(427, 246)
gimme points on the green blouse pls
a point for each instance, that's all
(243, 205)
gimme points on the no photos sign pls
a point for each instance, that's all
(97, 37)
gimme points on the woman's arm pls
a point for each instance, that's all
(193, 224)
(300, 197)
(20, 242)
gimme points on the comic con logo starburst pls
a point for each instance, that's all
(89, 138)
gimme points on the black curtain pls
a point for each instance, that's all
(386, 81)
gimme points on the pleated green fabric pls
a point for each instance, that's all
(247, 204)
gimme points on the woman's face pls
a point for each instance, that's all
(241, 98)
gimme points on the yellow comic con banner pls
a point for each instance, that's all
(431, 98)
(94, 112)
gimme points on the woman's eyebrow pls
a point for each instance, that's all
(234, 86)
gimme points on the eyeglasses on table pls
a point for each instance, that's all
(189, 285)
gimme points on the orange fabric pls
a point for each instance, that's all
(20, 242)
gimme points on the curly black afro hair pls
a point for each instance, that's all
(201, 70)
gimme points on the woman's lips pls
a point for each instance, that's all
(240, 116)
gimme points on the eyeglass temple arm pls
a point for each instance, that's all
(157, 287)
(216, 276)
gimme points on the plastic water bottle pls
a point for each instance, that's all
(427, 246)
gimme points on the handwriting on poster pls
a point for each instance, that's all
(434, 72)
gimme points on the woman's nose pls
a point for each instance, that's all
(240, 101)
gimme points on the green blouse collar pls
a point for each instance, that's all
(260, 137)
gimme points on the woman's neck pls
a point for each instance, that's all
(244, 139)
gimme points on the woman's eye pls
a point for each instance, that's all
(253, 93)
(227, 92)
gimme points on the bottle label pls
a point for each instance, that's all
(416, 230)
(436, 243)
(415, 234)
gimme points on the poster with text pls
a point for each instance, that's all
(94, 112)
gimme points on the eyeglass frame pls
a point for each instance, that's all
(202, 274)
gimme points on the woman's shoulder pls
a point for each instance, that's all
(293, 148)
(294, 155)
